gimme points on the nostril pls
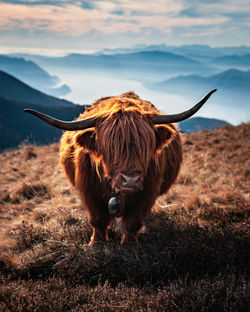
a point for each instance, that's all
(137, 179)
(123, 180)
(132, 182)
(127, 180)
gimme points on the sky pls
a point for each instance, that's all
(56, 26)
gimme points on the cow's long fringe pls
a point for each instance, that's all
(133, 141)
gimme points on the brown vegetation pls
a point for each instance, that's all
(193, 253)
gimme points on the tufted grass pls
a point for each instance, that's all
(193, 251)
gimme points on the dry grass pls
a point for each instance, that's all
(193, 252)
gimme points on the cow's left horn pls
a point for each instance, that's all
(63, 125)
(165, 119)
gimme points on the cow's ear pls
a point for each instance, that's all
(86, 139)
(164, 135)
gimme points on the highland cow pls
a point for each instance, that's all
(121, 154)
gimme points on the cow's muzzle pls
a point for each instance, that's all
(128, 183)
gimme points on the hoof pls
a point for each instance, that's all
(97, 238)
(96, 241)
(128, 239)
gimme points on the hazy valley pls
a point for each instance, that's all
(188, 72)
(172, 78)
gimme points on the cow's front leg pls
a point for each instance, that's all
(99, 234)
(133, 217)
(131, 227)
(100, 223)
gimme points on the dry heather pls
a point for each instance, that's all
(193, 253)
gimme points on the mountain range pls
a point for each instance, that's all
(233, 83)
(200, 123)
(134, 64)
(18, 127)
(156, 68)
(184, 55)
(213, 57)
(194, 50)
(32, 74)
(234, 60)
(13, 88)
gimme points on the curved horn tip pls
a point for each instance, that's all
(33, 112)
(29, 110)
(26, 110)
(211, 92)
(165, 119)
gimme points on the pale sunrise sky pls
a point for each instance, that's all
(91, 25)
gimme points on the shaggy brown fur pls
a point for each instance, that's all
(124, 140)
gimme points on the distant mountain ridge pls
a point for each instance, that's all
(156, 55)
(234, 60)
(12, 88)
(32, 74)
(17, 127)
(211, 56)
(141, 60)
(195, 124)
(231, 81)
(144, 61)
(195, 51)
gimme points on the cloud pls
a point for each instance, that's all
(138, 19)
(38, 2)
(75, 19)
(230, 8)
(203, 33)
(148, 7)
(70, 20)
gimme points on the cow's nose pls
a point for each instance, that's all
(127, 183)
(130, 181)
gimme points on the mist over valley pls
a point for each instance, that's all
(171, 81)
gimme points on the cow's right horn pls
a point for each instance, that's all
(63, 125)
(165, 119)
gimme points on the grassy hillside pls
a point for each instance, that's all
(193, 253)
